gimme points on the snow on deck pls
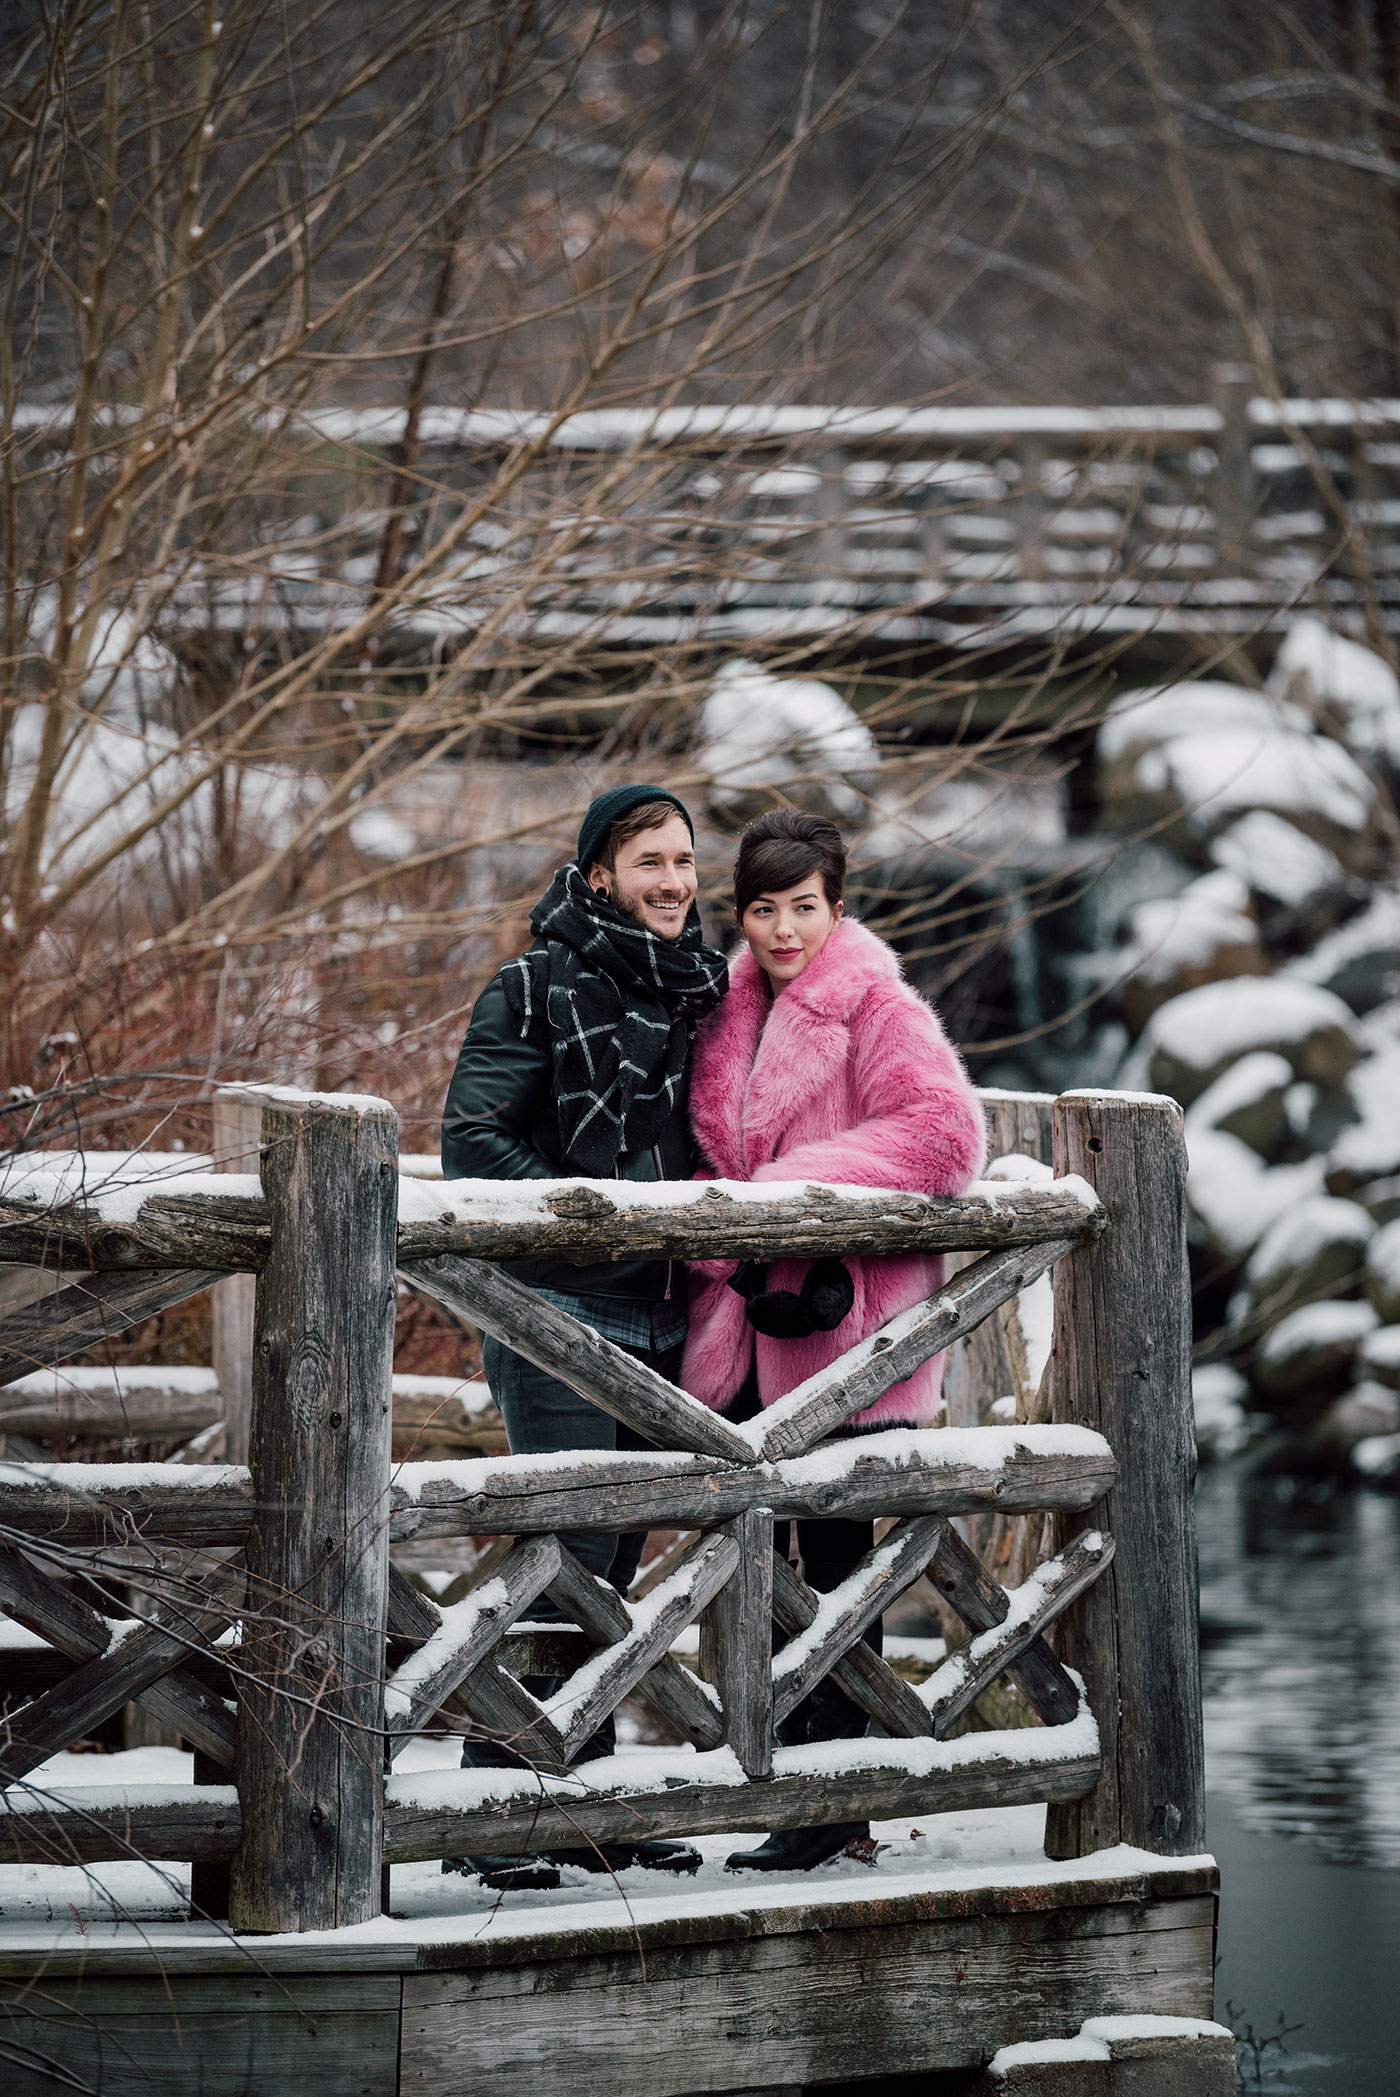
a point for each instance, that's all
(48, 1907)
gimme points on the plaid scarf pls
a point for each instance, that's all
(621, 1007)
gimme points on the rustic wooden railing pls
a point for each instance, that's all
(296, 1658)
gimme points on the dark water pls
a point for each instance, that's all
(1300, 1600)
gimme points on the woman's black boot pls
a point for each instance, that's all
(798, 1849)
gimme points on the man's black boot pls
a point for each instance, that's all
(798, 1849)
(527, 1873)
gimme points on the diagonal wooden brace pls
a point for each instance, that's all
(876, 1364)
(597, 1607)
(843, 1615)
(964, 1582)
(864, 1677)
(958, 1683)
(463, 1637)
(599, 1686)
(605, 1374)
(178, 1699)
(90, 1311)
(133, 1660)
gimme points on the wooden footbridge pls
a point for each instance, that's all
(282, 1642)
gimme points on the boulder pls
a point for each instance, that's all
(1369, 1149)
(1188, 759)
(1368, 1411)
(1193, 1039)
(1377, 1459)
(1360, 961)
(1234, 1198)
(1250, 1100)
(1378, 1356)
(1314, 1251)
(1218, 1393)
(1383, 1272)
(1341, 683)
(763, 737)
(1205, 934)
(1380, 1199)
(1276, 861)
(1311, 1355)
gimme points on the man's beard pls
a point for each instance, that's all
(634, 909)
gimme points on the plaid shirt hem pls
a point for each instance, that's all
(626, 1320)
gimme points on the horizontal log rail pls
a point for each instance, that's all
(220, 1222)
(886, 1781)
(1018, 1470)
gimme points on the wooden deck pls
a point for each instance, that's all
(686, 1992)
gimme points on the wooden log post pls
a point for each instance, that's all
(1122, 1364)
(237, 1134)
(736, 1643)
(310, 1725)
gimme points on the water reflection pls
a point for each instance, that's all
(1300, 1605)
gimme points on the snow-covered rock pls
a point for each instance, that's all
(1378, 1356)
(1370, 1148)
(1360, 1415)
(1383, 1272)
(1218, 1393)
(1316, 1250)
(1381, 1198)
(1360, 961)
(1249, 1100)
(1192, 1039)
(1203, 935)
(759, 731)
(1234, 1198)
(1377, 1459)
(1312, 1353)
(1276, 860)
(1197, 755)
(1338, 678)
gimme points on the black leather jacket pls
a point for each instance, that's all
(499, 1123)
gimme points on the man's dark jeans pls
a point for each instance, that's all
(543, 1415)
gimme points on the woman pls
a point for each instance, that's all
(820, 1064)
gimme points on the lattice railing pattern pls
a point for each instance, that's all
(282, 1593)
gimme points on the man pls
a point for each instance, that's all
(576, 1063)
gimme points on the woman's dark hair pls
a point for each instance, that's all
(779, 849)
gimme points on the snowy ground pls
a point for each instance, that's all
(1002, 1845)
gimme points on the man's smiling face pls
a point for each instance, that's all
(653, 881)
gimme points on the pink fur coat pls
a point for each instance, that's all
(845, 1077)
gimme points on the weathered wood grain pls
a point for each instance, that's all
(599, 1370)
(990, 1363)
(321, 2036)
(589, 1220)
(581, 1705)
(114, 1504)
(179, 1699)
(925, 1474)
(311, 1705)
(959, 1576)
(227, 1233)
(781, 1801)
(854, 1996)
(85, 1313)
(736, 1643)
(1122, 1364)
(424, 1682)
(599, 1610)
(875, 1365)
(580, 1222)
(867, 1679)
(131, 1662)
(209, 1829)
(498, 1705)
(955, 1687)
(845, 1613)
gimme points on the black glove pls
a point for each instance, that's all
(824, 1300)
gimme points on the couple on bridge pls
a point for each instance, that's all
(620, 1045)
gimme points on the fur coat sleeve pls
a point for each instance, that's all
(847, 1078)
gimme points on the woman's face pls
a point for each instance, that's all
(787, 928)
